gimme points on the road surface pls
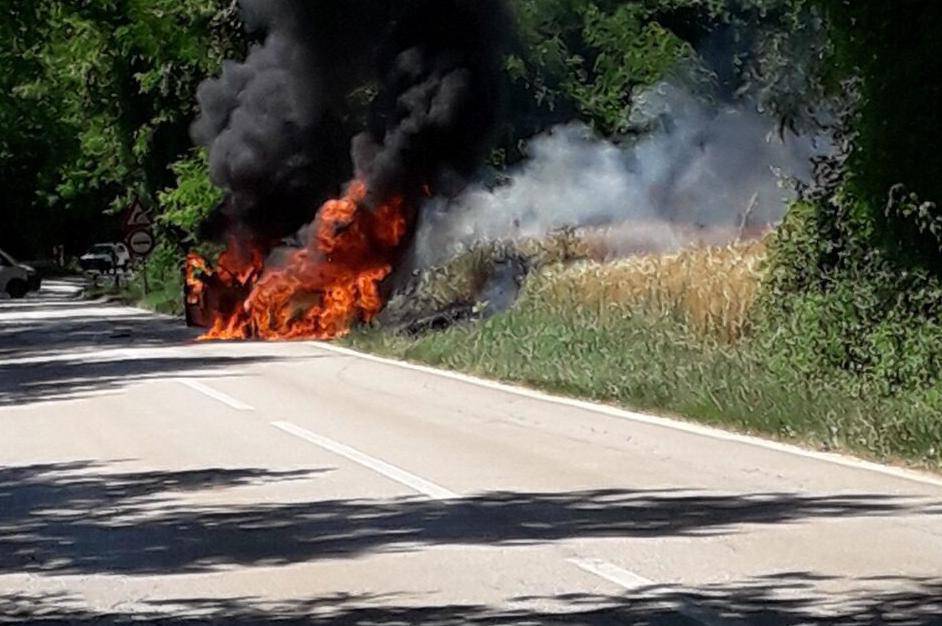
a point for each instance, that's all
(146, 476)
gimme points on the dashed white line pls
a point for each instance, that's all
(612, 573)
(228, 400)
(419, 484)
(630, 581)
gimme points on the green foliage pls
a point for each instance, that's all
(893, 49)
(834, 303)
(159, 284)
(183, 208)
(854, 289)
(631, 51)
(187, 205)
(98, 96)
(587, 57)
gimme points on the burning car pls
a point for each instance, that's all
(273, 127)
(318, 290)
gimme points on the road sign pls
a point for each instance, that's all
(141, 242)
(137, 217)
(138, 230)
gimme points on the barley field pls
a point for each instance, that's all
(710, 290)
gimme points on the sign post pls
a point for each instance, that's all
(139, 234)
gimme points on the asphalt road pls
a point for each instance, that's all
(144, 476)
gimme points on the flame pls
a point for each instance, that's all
(319, 291)
(196, 269)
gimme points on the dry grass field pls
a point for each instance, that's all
(711, 290)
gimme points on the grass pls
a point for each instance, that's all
(162, 297)
(674, 334)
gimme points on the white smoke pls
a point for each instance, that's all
(702, 172)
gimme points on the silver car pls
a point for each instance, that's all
(17, 279)
(106, 257)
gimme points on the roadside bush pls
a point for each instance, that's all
(158, 285)
(835, 302)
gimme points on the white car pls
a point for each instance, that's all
(106, 257)
(16, 279)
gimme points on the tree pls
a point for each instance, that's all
(100, 97)
(588, 58)
(893, 49)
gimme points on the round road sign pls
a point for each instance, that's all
(141, 242)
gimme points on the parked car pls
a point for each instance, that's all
(106, 257)
(17, 279)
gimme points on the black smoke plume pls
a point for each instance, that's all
(440, 99)
(412, 85)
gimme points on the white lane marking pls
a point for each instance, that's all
(215, 395)
(654, 420)
(612, 573)
(110, 313)
(425, 487)
(630, 581)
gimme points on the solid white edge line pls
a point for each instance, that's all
(696, 429)
(215, 395)
(399, 475)
(632, 582)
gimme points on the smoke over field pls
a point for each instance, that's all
(704, 172)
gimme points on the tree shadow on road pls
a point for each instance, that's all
(758, 602)
(61, 349)
(70, 350)
(74, 379)
(81, 519)
(84, 327)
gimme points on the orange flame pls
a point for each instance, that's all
(196, 268)
(320, 291)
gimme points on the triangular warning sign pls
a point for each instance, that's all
(137, 216)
